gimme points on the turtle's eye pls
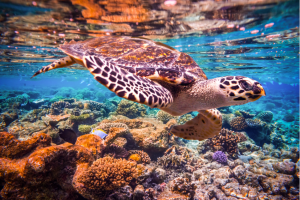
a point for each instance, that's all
(245, 85)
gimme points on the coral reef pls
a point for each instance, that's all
(289, 118)
(266, 116)
(57, 108)
(246, 114)
(225, 142)
(115, 151)
(41, 171)
(183, 186)
(144, 156)
(130, 109)
(238, 123)
(220, 157)
(164, 116)
(105, 174)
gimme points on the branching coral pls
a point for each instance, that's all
(183, 119)
(58, 107)
(238, 123)
(108, 174)
(144, 156)
(183, 186)
(164, 116)
(246, 114)
(130, 109)
(225, 141)
(174, 157)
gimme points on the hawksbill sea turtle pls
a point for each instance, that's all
(154, 74)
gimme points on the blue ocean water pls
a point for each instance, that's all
(256, 39)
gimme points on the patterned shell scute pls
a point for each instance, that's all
(140, 56)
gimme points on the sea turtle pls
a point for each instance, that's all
(154, 74)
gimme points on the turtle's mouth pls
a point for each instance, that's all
(258, 91)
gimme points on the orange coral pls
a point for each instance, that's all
(135, 157)
(39, 172)
(92, 142)
(144, 157)
(10, 147)
(107, 174)
(114, 133)
(238, 123)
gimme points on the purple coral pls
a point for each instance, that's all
(220, 157)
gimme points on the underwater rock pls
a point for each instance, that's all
(289, 118)
(138, 192)
(25, 130)
(53, 120)
(115, 151)
(285, 167)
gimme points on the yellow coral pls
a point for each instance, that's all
(86, 106)
(237, 113)
(136, 157)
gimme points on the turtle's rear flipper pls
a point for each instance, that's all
(128, 85)
(207, 124)
(63, 62)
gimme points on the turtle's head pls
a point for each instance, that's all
(240, 90)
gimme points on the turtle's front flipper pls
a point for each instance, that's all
(128, 85)
(60, 63)
(207, 124)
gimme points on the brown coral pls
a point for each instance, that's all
(145, 158)
(225, 141)
(238, 123)
(164, 116)
(92, 142)
(130, 109)
(108, 174)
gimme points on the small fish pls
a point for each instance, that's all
(62, 78)
(82, 82)
(99, 132)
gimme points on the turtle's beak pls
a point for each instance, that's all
(258, 91)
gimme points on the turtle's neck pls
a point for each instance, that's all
(202, 95)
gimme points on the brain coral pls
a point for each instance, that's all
(130, 109)
(238, 123)
(108, 174)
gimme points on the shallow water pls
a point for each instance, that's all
(257, 39)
